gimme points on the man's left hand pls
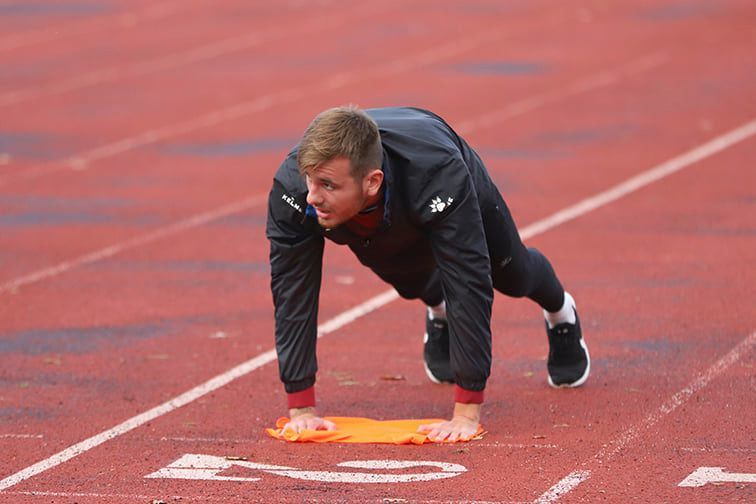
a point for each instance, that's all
(462, 426)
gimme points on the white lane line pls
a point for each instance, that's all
(564, 486)
(358, 311)
(645, 178)
(197, 54)
(677, 400)
(641, 180)
(21, 436)
(615, 446)
(197, 220)
(370, 305)
(126, 20)
(187, 397)
(485, 120)
(86, 159)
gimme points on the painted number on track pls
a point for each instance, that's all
(704, 475)
(210, 467)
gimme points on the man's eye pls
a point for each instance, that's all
(328, 186)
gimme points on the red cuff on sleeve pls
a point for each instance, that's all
(302, 399)
(467, 396)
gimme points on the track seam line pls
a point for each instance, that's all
(145, 498)
(601, 79)
(123, 20)
(149, 498)
(616, 445)
(428, 56)
(485, 120)
(719, 450)
(456, 501)
(210, 50)
(12, 286)
(649, 176)
(183, 439)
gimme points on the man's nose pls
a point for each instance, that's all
(313, 197)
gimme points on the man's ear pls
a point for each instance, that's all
(372, 182)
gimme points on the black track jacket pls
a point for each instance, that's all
(436, 192)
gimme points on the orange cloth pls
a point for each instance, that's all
(362, 430)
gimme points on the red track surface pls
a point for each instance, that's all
(183, 109)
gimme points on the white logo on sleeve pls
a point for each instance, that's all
(292, 202)
(437, 205)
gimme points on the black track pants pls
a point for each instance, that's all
(516, 271)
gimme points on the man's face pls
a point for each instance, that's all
(334, 193)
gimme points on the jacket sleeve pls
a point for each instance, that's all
(296, 254)
(451, 214)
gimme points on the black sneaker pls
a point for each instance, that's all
(569, 363)
(436, 351)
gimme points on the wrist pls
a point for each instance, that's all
(306, 411)
(468, 411)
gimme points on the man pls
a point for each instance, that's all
(416, 205)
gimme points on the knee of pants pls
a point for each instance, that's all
(512, 286)
(512, 280)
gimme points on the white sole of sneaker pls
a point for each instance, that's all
(580, 380)
(427, 369)
(433, 378)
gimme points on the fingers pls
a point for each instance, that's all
(328, 425)
(435, 432)
(297, 425)
(292, 426)
(450, 432)
(425, 428)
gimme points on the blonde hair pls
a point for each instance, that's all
(342, 132)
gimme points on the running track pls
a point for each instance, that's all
(137, 145)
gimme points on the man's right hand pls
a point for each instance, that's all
(306, 418)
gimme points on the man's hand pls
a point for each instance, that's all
(306, 418)
(463, 425)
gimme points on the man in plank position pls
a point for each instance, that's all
(416, 205)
